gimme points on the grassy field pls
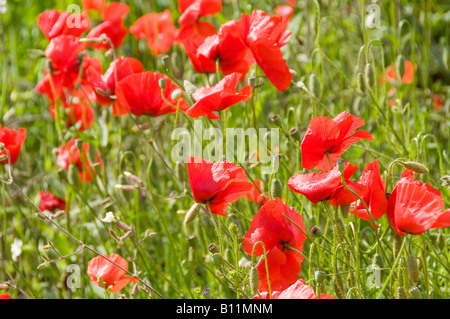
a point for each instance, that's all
(328, 51)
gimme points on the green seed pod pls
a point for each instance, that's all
(276, 120)
(213, 248)
(360, 82)
(396, 246)
(162, 83)
(192, 213)
(338, 286)
(295, 133)
(276, 188)
(314, 86)
(319, 276)
(415, 293)
(369, 75)
(401, 293)
(413, 268)
(254, 280)
(400, 66)
(416, 167)
(176, 94)
(341, 165)
(440, 241)
(316, 232)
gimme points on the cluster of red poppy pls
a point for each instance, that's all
(73, 79)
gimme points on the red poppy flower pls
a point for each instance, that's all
(112, 26)
(193, 9)
(96, 5)
(217, 184)
(140, 93)
(322, 186)
(48, 201)
(5, 296)
(298, 290)
(414, 207)
(265, 35)
(12, 141)
(157, 29)
(63, 51)
(112, 276)
(438, 101)
(330, 136)
(228, 47)
(257, 194)
(391, 74)
(276, 232)
(285, 11)
(54, 23)
(219, 97)
(118, 70)
(79, 114)
(69, 153)
(374, 197)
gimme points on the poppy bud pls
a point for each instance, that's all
(369, 75)
(401, 293)
(229, 255)
(415, 167)
(73, 176)
(234, 229)
(176, 94)
(319, 276)
(254, 280)
(206, 293)
(213, 249)
(400, 66)
(440, 241)
(189, 87)
(360, 82)
(340, 230)
(413, 268)
(316, 232)
(377, 260)
(217, 260)
(345, 210)
(295, 133)
(192, 213)
(314, 86)
(165, 61)
(415, 293)
(162, 83)
(396, 246)
(276, 188)
(338, 286)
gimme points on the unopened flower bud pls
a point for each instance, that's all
(254, 280)
(165, 61)
(319, 276)
(415, 293)
(401, 293)
(415, 167)
(369, 75)
(345, 210)
(276, 188)
(123, 226)
(133, 178)
(396, 246)
(339, 286)
(360, 82)
(314, 86)
(176, 94)
(192, 213)
(440, 241)
(234, 229)
(413, 268)
(162, 83)
(217, 260)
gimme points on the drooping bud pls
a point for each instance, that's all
(369, 75)
(396, 246)
(176, 94)
(276, 188)
(360, 82)
(345, 210)
(400, 66)
(338, 286)
(319, 275)
(340, 230)
(413, 268)
(416, 167)
(440, 241)
(192, 213)
(254, 280)
(314, 86)
(415, 293)
(401, 293)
